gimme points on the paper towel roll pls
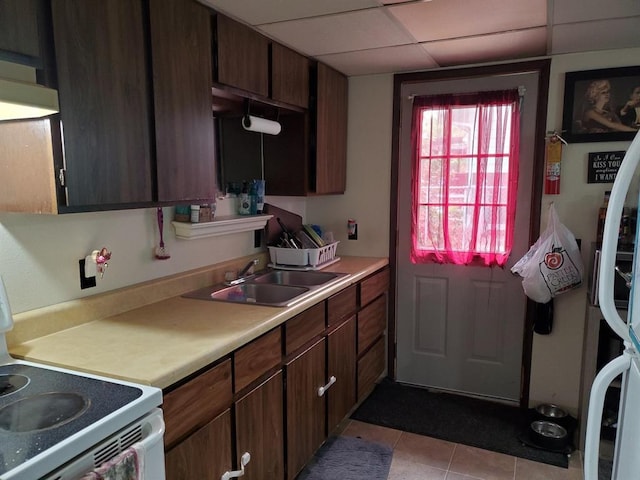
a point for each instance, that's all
(262, 125)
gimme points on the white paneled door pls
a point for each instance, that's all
(461, 328)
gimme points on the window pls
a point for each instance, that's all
(464, 177)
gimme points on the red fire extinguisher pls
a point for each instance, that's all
(553, 155)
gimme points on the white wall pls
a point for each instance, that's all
(557, 358)
(368, 171)
(39, 253)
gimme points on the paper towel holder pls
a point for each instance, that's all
(261, 125)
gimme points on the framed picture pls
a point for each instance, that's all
(601, 105)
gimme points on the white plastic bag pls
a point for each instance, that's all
(553, 264)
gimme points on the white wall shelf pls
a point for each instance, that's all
(224, 225)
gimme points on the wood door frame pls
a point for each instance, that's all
(542, 67)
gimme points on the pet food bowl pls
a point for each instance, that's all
(549, 435)
(550, 411)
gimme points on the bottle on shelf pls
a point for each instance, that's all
(602, 213)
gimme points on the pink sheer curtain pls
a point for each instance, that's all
(464, 177)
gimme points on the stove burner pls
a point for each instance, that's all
(39, 412)
(12, 383)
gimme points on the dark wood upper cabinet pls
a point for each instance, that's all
(19, 29)
(242, 56)
(182, 78)
(104, 94)
(330, 161)
(289, 76)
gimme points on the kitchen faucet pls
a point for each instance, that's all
(242, 274)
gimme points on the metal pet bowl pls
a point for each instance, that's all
(551, 411)
(549, 435)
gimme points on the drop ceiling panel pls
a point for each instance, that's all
(380, 60)
(612, 34)
(439, 20)
(364, 29)
(567, 11)
(489, 48)
(256, 12)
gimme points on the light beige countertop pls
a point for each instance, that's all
(163, 342)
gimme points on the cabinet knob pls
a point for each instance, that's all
(322, 390)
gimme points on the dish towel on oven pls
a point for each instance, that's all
(129, 465)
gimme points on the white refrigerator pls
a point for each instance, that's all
(626, 461)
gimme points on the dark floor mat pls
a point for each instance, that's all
(456, 418)
(349, 458)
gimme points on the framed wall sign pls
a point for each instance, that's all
(603, 166)
(601, 105)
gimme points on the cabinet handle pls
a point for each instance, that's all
(322, 390)
(237, 473)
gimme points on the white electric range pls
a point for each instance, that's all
(60, 424)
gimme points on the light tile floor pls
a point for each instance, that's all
(416, 457)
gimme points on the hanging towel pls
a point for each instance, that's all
(129, 465)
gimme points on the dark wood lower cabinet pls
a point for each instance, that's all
(305, 409)
(341, 363)
(259, 430)
(204, 455)
(270, 392)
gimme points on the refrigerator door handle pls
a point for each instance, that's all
(610, 240)
(596, 406)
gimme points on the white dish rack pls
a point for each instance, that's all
(303, 258)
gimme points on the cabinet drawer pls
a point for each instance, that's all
(370, 368)
(303, 327)
(257, 358)
(195, 403)
(372, 321)
(341, 305)
(374, 286)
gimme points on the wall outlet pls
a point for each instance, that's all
(85, 282)
(353, 231)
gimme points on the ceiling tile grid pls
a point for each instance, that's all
(361, 37)
(403, 58)
(359, 30)
(438, 20)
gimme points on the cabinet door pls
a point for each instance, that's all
(243, 56)
(19, 29)
(289, 76)
(371, 366)
(372, 322)
(104, 101)
(331, 131)
(306, 411)
(260, 430)
(341, 396)
(182, 78)
(204, 455)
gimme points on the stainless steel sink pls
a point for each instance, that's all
(287, 277)
(255, 293)
(275, 288)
